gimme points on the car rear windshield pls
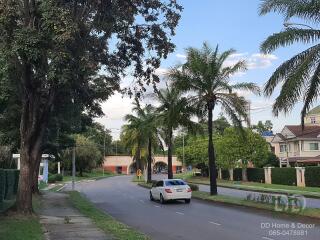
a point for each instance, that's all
(175, 183)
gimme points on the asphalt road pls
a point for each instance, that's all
(130, 204)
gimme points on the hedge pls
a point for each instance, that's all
(284, 176)
(237, 174)
(225, 174)
(55, 178)
(9, 179)
(312, 176)
(2, 184)
(255, 175)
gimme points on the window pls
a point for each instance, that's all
(160, 184)
(314, 146)
(313, 120)
(175, 183)
(283, 147)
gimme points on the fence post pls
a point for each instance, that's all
(267, 175)
(220, 173)
(300, 176)
(231, 174)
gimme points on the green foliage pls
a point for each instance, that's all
(312, 176)
(87, 154)
(298, 76)
(234, 148)
(55, 178)
(9, 180)
(255, 175)
(284, 176)
(263, 127)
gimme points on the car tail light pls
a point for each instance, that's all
(189, 190)
(168, 190)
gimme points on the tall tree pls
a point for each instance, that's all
(207, 80)
(55, 50)
(298, 76)
(174, 111)
(141, 133)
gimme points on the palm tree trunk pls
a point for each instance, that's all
(211, 153)
(170, 173)
(149, 160)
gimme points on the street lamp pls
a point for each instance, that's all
(288, 24)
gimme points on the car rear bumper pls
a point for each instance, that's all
(177, 196)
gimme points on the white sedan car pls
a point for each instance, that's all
(170, 189)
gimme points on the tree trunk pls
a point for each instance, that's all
(138, 160)
(24, 194)
(170, 172)
(149, 160)
(244, 174)
(35, 180)
(211, 154)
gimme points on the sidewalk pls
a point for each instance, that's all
(62, 221)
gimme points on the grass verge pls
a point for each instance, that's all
(308, 212)
(20, 227)
(104, 221)
(312, 192)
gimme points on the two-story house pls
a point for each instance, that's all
(295, 145)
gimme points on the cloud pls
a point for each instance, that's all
(161, 71)
(182, 56)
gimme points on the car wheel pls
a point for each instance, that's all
(151, 197)
(187, 200)
(162, 201)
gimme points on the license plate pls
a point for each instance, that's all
(179, 190)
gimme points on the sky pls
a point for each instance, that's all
(231, 24)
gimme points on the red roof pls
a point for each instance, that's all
(307, 132)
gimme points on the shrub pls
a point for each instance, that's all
(193, 187)
(237, 174)
(225, 174)
(255, 175)
(59, 177)
(312, 176)
(55, 178)
(284, 176)
(10, 178)
(2, 185)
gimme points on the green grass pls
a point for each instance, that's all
(42, 185)
(308, 212)
(306, 191)
(136, 179)
(20, 227)
(104, 221)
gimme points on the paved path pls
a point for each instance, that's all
(61, 221)
(130, 204)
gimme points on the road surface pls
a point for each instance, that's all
(130, 204)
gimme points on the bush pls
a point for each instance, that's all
(2, 184)
(256, 175)
(225, 174)
(55, 178)
(284, 176)
(312, 176)
(193, 187)
(237, 174)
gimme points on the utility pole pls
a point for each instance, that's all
(183, 160)
(104, 152)
(73, 167)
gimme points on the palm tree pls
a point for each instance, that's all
(173, 111)
(299, 76)
(141, 133)
(207, 80)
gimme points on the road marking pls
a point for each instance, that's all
(180, 213)
(218, 224)
(266, 238)
(58, 190)
(156, 206)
